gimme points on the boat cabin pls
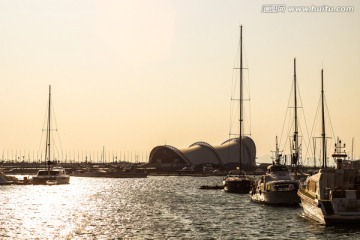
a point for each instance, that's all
(236, 173)
(54, 172)
(334, 183)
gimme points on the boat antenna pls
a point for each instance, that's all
(241, 102)
(295, 157)
(323, 134)
(277, 153)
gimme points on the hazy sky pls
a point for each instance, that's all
(131, 75)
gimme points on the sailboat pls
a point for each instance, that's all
(52, 175)
(237, 181)
(331, 196)
(277, 185)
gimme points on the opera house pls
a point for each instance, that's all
(199, 154)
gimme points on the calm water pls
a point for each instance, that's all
(150, 208)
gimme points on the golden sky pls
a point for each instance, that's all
(131, 75)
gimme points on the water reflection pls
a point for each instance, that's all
(151, 208)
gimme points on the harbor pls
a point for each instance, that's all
(179, 120)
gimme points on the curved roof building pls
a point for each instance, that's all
(224, 156)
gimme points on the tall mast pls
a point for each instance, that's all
(296, 138)
(48, 129)
(241, 101)
(323, 135)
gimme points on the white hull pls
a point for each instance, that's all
(311, 209)
(330, 212)
(51, 180)
(54, 176)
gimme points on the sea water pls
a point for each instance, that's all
(157, 207)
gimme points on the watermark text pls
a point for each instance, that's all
(283, 8)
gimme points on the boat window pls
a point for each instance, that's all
(53, 173)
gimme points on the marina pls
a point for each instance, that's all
(156, 120)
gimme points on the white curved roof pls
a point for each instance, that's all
(202, 152)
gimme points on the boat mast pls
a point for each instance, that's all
(352, 149)
(241, 102)
(323, 135)
(295, 157)
(48, 140)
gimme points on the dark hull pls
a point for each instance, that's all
(237, 185)
(6, 183)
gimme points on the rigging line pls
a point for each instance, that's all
(312, 133)
(234, 107)
(285, 118)
(303, 111)
(249, 121)
(287, 139)
(41, 145)
(331, 126)
(233, 85)
(247, 86)
(233, 116)
(303, 137)
(60, 151)
(328, 113)
(301, 144)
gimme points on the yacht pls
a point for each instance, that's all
(277, 185)
(331, 196)
(51, 176)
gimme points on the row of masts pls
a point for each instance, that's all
(76, 156)
(339, 153)
(295, 155)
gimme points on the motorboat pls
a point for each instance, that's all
(277, 185)
(51, 176)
